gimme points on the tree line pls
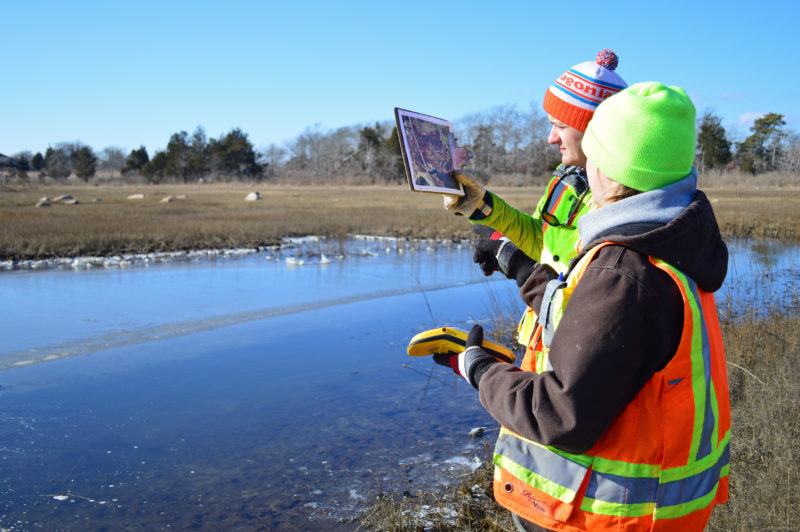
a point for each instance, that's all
(507, 143)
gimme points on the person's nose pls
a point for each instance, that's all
(553, 137)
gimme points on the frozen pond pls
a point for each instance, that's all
(251, 391)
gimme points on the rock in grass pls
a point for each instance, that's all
(136, 196)
(253, 196)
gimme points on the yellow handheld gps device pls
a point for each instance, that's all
(453, 340)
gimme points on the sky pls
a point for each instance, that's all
(127, 74)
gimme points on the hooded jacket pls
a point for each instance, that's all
(623, 321)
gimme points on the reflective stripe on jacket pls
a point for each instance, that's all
(663, 462)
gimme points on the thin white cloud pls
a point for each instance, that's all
(733, 95)
(747, 119)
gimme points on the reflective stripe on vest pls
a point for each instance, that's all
(614, 487)
(670, 481)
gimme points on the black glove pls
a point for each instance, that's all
(485, 255)
(504, 256)
(473, 362)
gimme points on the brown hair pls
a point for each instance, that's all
(621, 192)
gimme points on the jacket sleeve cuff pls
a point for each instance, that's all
(484, 208)
(473, 363)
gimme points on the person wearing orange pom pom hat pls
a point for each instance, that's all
(549, 235)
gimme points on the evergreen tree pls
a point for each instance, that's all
(84, 162)
(369, 142)
(37, 162)
(23, 161)
(198, 163)
(760, 151)
(713, 149)
(233, 155)
(177, 156)
(136, 161)
(155, 169)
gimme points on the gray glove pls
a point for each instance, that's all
(476, 203)
(473, 362)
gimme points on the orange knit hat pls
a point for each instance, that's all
(574, 96)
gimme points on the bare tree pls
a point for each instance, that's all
(111, 159)
(320, 154)
(508, 126)
(789, 160)
(507, 141)
(273, 158)
(540, 157)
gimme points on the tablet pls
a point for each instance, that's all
(428, 146)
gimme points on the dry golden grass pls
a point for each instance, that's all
(737, 179)
(762, 213)
(765, 439)
(216, 216)
(211, 216)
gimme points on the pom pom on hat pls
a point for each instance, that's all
(574, 96)
(607, 58)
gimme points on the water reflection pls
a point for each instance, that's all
(249, 393)
(763, 276)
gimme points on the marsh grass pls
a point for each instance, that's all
(210, 217)
(764, 379)
(717, 178)
(762, 213)
(216, 216)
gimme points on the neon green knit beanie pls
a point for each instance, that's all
(643, 137)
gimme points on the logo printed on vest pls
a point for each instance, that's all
(536, 503)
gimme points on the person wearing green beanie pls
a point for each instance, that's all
(623, 422)
(643, 137)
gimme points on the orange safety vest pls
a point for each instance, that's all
(663, 463)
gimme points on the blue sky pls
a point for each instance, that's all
(129, 73)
